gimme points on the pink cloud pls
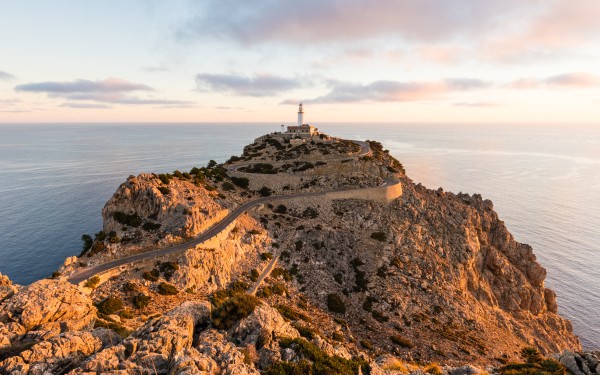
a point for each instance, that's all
(567, 80)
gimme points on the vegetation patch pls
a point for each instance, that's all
(379, 236)
(92, 282)
(242, 182)
(167, 289)
(320, 362)
(164, 190)
(110, 305)
(141, 301)
(535, 364)
(150, 226)
(335, 303)
(291, 314)
(133, 220)
(402, 341)
(232, 309)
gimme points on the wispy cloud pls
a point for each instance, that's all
(567, 80)
(4, 76)
(394, 91)
(258, 85)
(85, 106)
(110, 85)
(111, 91)
(347, 20)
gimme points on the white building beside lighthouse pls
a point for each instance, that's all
(302, 129)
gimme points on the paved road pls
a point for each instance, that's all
(210, 233)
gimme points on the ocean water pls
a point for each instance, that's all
(544, 182)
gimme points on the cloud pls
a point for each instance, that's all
(319, 21)
(85, 106)
(259, 85)
(476, 104)
(111, 91)
(567, 80)
(108, 86)
(6, 76)
(393, 91)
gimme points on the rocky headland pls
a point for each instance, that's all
(338, 263)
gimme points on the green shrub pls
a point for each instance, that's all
(254, 274)
(321, 362)
(141, 301)
(242, 182)
(133, 220)
(366, 344)
(226, 314)
(433, 369)
(379, 236)
(165, 178)
(291, 314)
(126, 314)
(265, 191)
(92, 282)
(87, 243)
(55, 275)
(129, 287)
(110, 305)
(280, 209)
(379, 316)
(402, 341)
(228, 186)
(164, 190)
(150, 226)
(167, 289)
(151, 275)
(266, 256)
(336, 304)
(337, 336)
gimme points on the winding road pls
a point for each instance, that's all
(211, 232)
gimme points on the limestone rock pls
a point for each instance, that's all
(46, 302)
(265, 322)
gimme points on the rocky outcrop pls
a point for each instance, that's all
(181, 207)
(42, 310)
(7, 289)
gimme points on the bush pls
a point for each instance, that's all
(337, 336)
(226, 314)
(321, 362)
(87, 243)
(92, 282)
(242, 182)
(281, 209)
(433, 369)
(254, 274)
(265, 191)
(126, 314)
(55, 275)
(379, 316)
(336, 304)
(133, 220)
(291, 314)
(306, 332)
(366, 344)
(266, 256)
(110, 305)
(129, 287)
(379, 236)
(228, 186)
(164, 190)
(167, 289)
(402, 341)
(150, 226)
(151, 275)
(141, 301)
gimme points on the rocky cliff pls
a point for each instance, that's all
(430, 281)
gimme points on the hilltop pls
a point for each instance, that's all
(352, 267)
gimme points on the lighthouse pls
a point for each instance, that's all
(300, 115)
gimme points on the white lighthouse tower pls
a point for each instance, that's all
(300, 115)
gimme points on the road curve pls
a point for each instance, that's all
(208, 234)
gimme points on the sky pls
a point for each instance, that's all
(405, 61)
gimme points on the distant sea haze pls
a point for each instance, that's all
(544, 182)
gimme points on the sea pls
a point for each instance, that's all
(544, 180)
